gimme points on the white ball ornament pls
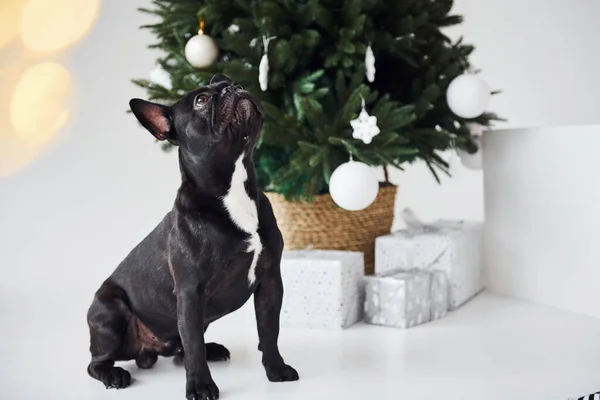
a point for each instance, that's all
(468, 96)
(473, 161)
(353, 186)
(201, 50)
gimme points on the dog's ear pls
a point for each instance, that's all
(154, 117)
(220, 78)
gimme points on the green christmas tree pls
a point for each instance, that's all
(316, 80)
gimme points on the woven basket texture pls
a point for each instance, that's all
(321, 224)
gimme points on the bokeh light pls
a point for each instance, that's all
(38, 106)
(35, 99)
(51, 25)
(10, 17)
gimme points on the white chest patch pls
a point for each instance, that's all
(242, 211)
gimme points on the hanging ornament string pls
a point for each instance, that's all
(365, 126)
(201, 51)
(263, 68)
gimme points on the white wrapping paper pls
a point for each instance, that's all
(322, 289)
(454, 248)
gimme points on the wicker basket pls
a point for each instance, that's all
(321, 224)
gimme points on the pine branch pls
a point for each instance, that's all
(317, 79)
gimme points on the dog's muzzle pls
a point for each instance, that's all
(238, 106)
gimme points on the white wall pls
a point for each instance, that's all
(542, 216)
(68, 218)
(542, 55)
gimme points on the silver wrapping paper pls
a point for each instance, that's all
(406, 299)
(454, 248)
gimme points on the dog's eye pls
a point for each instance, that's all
(201, 99)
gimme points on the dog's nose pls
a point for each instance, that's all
(232, 88)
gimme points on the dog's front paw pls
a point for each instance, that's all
(199, 390)
(281, 373)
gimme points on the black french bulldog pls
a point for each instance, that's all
(218, 245)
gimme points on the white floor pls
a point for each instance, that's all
(493, 348)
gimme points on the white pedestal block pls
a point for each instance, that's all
(542, 216)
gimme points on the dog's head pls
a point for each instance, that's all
(219, 119)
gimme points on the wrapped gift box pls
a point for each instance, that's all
(450, 247)
(322, 289)
(406, 299)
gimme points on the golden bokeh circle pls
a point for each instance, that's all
(34, 100)
(38, 105)
(10, 16)
(51, 25)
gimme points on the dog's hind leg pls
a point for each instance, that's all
(214, 352)
(217, 352)
(146, 359)
(108, 320)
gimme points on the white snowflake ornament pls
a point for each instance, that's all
(365, 126)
